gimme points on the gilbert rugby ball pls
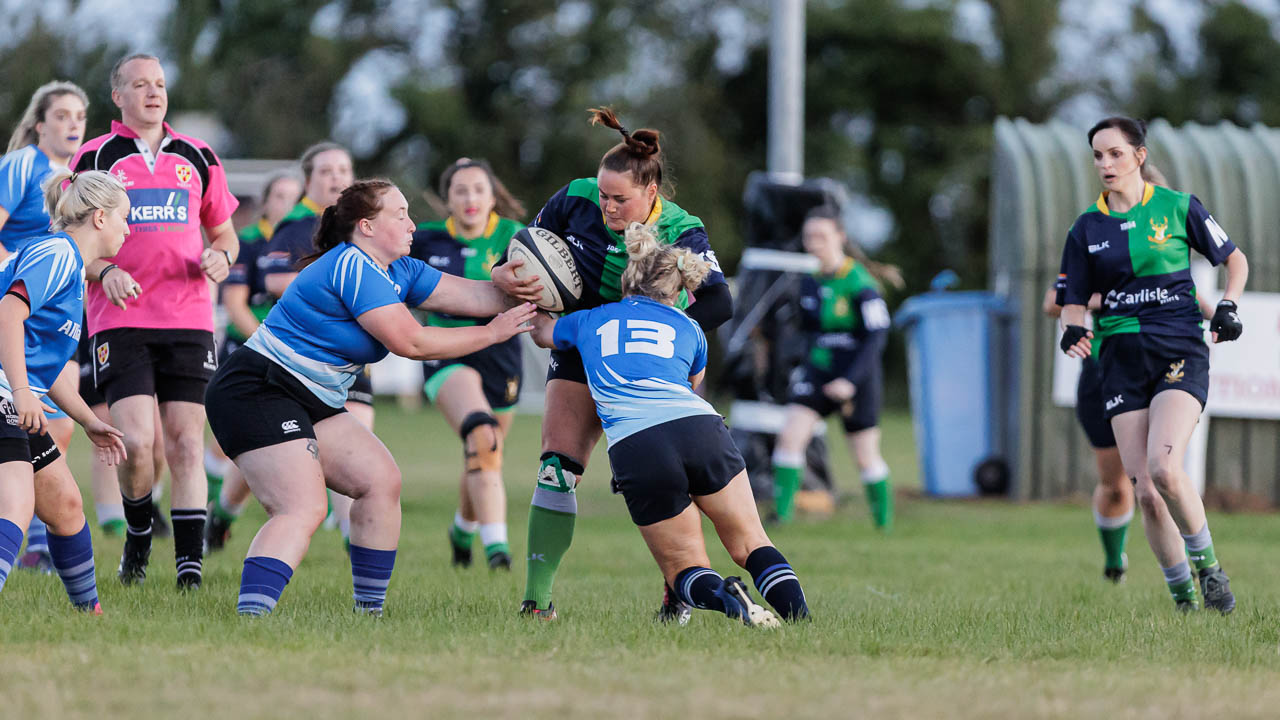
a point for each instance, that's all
(548, 257)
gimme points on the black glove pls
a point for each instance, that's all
(1071, 336)
(1226, 322)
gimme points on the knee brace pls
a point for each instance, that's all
(558, 473)
(481, 442)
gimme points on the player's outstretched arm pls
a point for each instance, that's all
(396, 328)
(468, 298)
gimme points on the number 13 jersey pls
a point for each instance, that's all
(638, 355)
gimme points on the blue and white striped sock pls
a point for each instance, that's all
(37, 536)
(370, 576)
(10, 543)
(697, 586)
(73, 559)
(261, 583)
(777, 582)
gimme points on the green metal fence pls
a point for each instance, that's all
(1043, 179)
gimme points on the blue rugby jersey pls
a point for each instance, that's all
(600, 254)
(1140, 262)
(51, 269)
(21, 173)
(638, 355)
(312, 331)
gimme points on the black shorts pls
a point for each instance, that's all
(806, 390)
(253, 402)
(361, 391)
(658, 468)
(18, 445)
(88, 390)
(500, 368)
(169, 364)
(228, 348)
(1089, 406)
(566, 365)
(1138, 366)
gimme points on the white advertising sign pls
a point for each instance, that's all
(1244, 376)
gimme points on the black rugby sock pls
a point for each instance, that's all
(188, 543)
(137, 515)
(777, 582)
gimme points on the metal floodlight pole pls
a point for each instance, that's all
(786, 89)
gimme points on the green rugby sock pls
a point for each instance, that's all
(495, 548)
(553, 511)
(880, 501)
(786, 483)
(1200, 549)
(461, 539)
(1114, 532)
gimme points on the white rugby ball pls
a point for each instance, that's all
(547, 256)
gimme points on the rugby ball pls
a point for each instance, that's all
(547, 256)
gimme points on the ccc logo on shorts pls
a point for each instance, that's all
(290, 426)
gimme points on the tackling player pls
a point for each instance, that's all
(150, 311)
(670, 452)
(590, 215)
(477, 393)
(1132, 247)
(276, 406)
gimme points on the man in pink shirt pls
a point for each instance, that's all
(149, 310)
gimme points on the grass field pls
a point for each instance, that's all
(968, 610)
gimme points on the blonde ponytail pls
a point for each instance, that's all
(71, 198)
(659, 271)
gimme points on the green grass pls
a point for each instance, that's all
(969, 610)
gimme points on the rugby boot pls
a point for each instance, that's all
(133, 563)
(462, 555)
(738, 604)
(37, 560)
(1216, 589)
(673, 609)
(217, 531)
(499, 561)
(529, 608)
(1116, 574)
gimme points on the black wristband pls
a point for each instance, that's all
(106, 270)
(227, 254)
(1071, 336)
(21, 297)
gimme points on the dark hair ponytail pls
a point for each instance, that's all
(886, 273)
(362, 200)
(639, 153)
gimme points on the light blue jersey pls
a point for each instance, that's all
(21, 173)
(312, 332)
(638, 355)
(52, 273)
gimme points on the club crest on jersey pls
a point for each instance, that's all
(184, 173)
(1159, 229)
(491, 258)
(104, 353)
(1175, 372)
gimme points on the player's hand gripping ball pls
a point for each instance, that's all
(547, 256)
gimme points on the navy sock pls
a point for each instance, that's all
(188, 543)
(73, 559)
(37, 536)
(777, 582)
(10, 542)
(370, 576)
(138, 516)
(261, 583)
(697, 586)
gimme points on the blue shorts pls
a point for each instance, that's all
(1138, 366)
(1090, 410)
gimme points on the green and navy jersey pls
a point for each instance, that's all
(292, 238)
(600, 254)
(247, 271)
(440, 245)
(846, 320)
(1140, 262)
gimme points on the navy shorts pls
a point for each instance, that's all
(1138, 366)
(657, 469)
(169, 364)
(500, 368)
(253, 402)
(566, 365)
(864, 409)
(1090, 410)
(18, 445)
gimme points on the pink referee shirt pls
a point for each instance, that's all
(172, 195)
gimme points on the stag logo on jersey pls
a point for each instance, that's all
(1175, 372)
(184, 173)
(491, 258)
(1160, 238)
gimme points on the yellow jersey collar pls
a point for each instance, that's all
(311, 205)
(1147, 191)
(266, 228)
(452, 228)
(653, 214)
